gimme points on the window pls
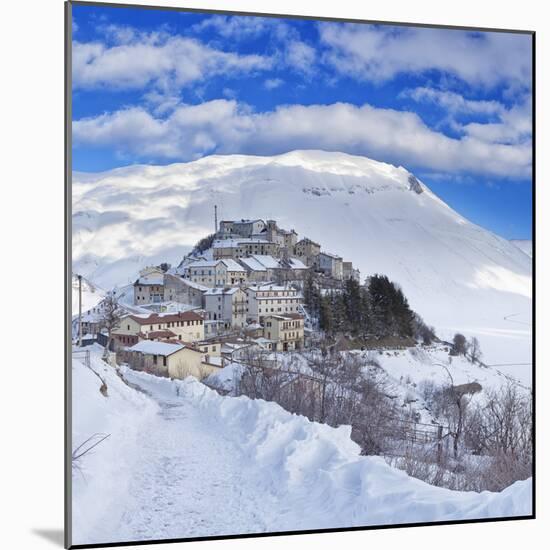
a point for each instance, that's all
(154, 359)
(128, 327)
(164, 360)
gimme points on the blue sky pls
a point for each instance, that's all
(454, 107)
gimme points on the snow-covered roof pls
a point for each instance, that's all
(241, 222)
(204, 263)
(233, 346)
(262, 341)
(285, 316)
(151, 347)
(330, 255)
(220, 291)
(267, 261)
(253, 264)
(270, 287)
(232, 265)
(156, 280)
(196, 286)
(295, 263)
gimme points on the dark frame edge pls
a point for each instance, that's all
(68, 271)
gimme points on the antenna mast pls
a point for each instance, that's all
(215, 218)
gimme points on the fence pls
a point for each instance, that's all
(84, 355)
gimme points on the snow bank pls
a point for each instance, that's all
(318, 473)
(102, 475)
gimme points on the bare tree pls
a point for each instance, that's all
(452, 403)
(112, 314)
(475, 350)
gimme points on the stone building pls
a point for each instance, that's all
(230, 229)
(307, 251)
(239, 248)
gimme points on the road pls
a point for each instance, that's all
(189, 481)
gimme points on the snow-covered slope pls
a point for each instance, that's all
(91, 294)
(183, 461)
(525, 245)
(456, 274)
(103, 474)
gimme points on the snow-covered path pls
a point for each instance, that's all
(184, 462)
(188, 481)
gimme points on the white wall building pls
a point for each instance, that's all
(228, 305)
(272, 299)
(331, 265)
(149, 287)
(216, 273)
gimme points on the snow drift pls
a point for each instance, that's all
(101, 477)
(312, 476)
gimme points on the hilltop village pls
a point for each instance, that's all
(241, 288)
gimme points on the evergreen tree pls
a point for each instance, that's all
(326, 317)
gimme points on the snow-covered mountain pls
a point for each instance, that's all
(526, 245)
(457, 275)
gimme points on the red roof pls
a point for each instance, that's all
(170, 318)
(160, 334)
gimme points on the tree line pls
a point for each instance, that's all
(378, 309)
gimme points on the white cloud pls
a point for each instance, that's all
(300, 56)
(225, 126)
(156, 60)
(376, 53)
(272, 83)
(453, 102)
(238, 27)
(515, 126)
(284, 40)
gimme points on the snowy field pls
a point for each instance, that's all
(182, 461)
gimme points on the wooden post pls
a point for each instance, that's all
(439, 444)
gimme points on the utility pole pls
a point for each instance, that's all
(80, 310)
(215, 218)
